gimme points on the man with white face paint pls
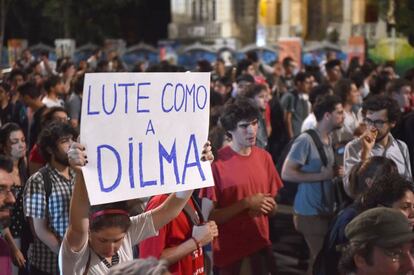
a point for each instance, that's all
(381, 114)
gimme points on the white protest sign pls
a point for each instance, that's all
(144, 134)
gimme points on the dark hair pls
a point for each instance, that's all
(5, 86)
(286, 61)
(301, 77)
(238, 110)
(325, 104)
(409, 74)
(372, 168)
(225, 80)
(30, 89)
(342, 88)
(204, 66)
(65, 66)
(379, 102)
(387, 190)
(252, 56)
(47, 116)
(6, 163)
(216, 136)
(346, 263)
(78, 85)
(396, 85)
(380, 83)
(357, 78)
(5, 132)
(254, 90)
(242, 66)
(109, 220)
(16, 72)
(50, 134)
(332, 64)
(368, 67)
(51, 82)
(320, 90)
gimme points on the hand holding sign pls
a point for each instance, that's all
(143, 133)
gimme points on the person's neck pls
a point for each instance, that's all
(244, 151)
(36, 105)
(384, 142)
(324, 131)
(347, 107)
(62, 169)
(16, 164)
(52, 96)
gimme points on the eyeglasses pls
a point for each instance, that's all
(397, 255)
(376, 123)
(5, 191)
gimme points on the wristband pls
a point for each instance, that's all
(196, 242)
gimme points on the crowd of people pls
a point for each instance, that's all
(335, 141)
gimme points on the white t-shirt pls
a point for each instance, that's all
(74, 263)
(52, 103)
(309, 123)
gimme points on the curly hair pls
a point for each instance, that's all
(380, 102)
(387, 190)
(51, 134)
(343, 88)
(238, 110)
(372, 168)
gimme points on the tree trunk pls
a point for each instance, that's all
(3, 14)
(66, 18)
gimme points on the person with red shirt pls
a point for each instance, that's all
(246, 183)
(181, 241)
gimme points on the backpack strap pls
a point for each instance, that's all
(402, 153)
(194, 216)
(47, 182)
(319, 146)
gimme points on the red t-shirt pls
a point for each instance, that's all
(237, 177)
(35, 155)
(173, 234)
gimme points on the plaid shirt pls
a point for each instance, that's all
(56, 212)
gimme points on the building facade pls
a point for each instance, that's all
(239, 20)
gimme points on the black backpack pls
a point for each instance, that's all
(287, 194)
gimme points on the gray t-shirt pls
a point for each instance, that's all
(309, 199)
(74, 263)
(298, 106)
(73, 105)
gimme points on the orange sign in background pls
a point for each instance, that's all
(356, 48)
(291, 47)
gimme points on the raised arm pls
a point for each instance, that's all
(77, 233)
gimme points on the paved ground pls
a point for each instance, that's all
(289, 247)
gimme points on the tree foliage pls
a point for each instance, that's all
(83, 20)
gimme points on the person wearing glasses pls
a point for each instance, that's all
(7, 201)
(381, 114)
(380, 242)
